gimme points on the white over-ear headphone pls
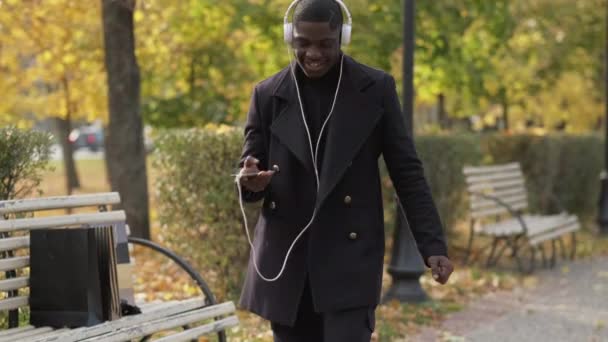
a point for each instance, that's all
(347, 27)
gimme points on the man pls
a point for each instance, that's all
(331, 282)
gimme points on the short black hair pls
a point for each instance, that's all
(319, 11)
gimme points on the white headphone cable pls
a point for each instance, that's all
(314, 160)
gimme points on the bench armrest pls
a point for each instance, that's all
(209, 297)
(505, 205)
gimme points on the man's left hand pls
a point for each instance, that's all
(441, 267)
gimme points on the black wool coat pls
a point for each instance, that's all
(342, 252)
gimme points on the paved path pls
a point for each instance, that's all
(570, 303)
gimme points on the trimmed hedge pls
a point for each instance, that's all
(198, 205)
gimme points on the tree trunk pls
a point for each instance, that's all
(505, 115)
(63, 128)
(125, 152)
(443, 120)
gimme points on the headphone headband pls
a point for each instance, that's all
(346, 27)
(340, 2)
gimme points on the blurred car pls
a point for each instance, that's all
(90, 137)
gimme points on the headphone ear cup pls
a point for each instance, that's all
(346, 34)
(288, 33)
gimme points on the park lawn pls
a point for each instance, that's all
(155, 278)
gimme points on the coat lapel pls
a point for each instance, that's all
(288, 127)
(353, 120)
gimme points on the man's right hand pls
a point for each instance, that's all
(254, 183)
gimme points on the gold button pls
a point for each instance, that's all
(352, 236)
(273, 205)
(348, 199)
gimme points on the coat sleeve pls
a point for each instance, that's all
(407, 173)
(255, 144)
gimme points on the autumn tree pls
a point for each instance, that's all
(52, 66)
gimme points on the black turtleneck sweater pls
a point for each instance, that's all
(317, 98)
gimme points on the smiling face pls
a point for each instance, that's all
(316, 47)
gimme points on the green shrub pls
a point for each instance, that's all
(197, 203)
(24, 155)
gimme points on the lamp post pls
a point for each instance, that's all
(603, 209)
(406, 265)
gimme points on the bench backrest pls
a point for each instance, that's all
(506, 182)
(15, 227)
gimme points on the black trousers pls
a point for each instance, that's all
(352, 325)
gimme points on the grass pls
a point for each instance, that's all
(157, 279)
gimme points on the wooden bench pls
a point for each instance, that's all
(498, 199)
(17, 220)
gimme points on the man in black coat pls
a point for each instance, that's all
(314, 134)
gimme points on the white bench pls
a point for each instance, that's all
(498, 199)
(16, 221)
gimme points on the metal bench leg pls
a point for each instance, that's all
(500, 252)
(562, 248)
(553, 253)
(470, 243)
(573, 249)
(525, 263)
(490, 260)
(543, 256)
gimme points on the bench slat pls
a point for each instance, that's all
(501, 193)
(14, 283)
(511, 183)
(62, 221)
(11, 244)
(58, 202)
(14, 303)
(537, 225)
(497, 210)
(46, 334)
(176, 321)
(485, 203)
(494, 177)
(12, 331)
(26, 335)
(151, 307)
(554, 233)
(14, 263)
(128, 321)
(471, 170)
(196, 332)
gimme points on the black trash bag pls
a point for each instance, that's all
(73, 280)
